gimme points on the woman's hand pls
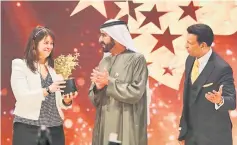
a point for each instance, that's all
(57, 86)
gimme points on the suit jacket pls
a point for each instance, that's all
(212, 127)
(27, 89)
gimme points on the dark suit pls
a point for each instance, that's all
(201, 123)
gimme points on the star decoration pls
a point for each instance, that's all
(124, 18)
(152, 16)
(135, 35)
(165, 39)
(111, 9)
(168, 70)
(163, 81)
(132, 6)
(83, 4)
(127, 9)
(189, 10)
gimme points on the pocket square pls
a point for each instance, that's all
(207, 85)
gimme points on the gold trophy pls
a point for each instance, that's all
(64, 65)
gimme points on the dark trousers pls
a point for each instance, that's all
(193, 138)
(24, 134)
(190, 139)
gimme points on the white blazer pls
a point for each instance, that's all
(27, 89)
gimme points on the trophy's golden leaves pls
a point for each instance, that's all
(65, 64)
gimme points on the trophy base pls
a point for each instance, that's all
(70, 86)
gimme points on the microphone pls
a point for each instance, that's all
(44, 137)
(113, 139)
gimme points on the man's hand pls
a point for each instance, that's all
(215, 97)
(94, 78)
(69, 97)
(103, 77)
(100, 79)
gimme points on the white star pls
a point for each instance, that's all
(97, 4)
(124, 9)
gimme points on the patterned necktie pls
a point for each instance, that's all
(195, 71)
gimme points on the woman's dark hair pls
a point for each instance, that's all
(31, 55)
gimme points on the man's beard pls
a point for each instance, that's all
(109, 46)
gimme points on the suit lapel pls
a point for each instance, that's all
(188, 66)
(202, 78)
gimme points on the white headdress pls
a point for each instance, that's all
(118, 30)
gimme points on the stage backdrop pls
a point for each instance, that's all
(158, 30)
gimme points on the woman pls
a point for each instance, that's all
(37, 89)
